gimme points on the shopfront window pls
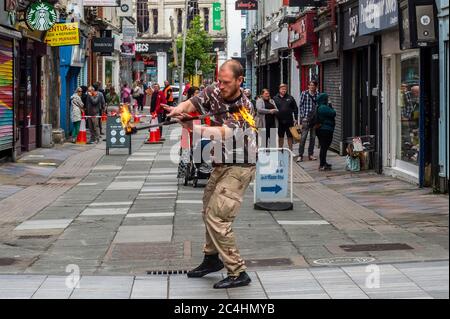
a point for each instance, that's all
(108, 73)
(408, 113)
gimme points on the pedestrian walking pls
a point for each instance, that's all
(158, 98)
(148, 97)
(77, 108)
(193, 91)
(287, 115)
(84, 88)
(186, 88)
(112, 99)
(101, 93)
(307, 106)
(266, 119)
(126, 94)
(93, 105)
(168, 93)
(324, 128)
(248, 94)
(138, 95)
(228, 182)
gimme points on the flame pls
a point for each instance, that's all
(125, 118)
(247, 117)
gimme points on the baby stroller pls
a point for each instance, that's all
(200, 170)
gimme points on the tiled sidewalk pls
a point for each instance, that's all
(403, 280)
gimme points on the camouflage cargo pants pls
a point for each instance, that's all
(221, 203)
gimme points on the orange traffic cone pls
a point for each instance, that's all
(154, 136)
(81, 138)
(104, 117)
(137, 118)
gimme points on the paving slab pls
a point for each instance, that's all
(138, 234)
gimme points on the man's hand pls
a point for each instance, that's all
(182, 108)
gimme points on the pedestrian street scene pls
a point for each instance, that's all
(224, 157)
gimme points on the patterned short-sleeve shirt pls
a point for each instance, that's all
(242, 148)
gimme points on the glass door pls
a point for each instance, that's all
(408, 111)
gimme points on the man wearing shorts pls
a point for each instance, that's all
(287, 115)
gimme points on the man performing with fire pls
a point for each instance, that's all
(233, 170)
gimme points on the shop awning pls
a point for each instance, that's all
(9, 33)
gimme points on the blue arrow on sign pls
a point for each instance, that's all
(275, 189)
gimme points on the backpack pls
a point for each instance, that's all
(312, 118)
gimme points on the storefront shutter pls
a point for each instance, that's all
(6, 94)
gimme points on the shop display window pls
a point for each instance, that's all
(408, 111)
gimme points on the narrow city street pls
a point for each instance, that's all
(129, 228)
(187, 150)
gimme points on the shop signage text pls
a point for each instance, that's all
(305, 3)
(63, 34)
(103, 45)
(127, 49)
(247, 5)
(377, 15)
(101, 3)
(142, 47)
(40, 16)
(217, 16)
(353, 27)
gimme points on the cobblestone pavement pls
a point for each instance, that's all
(125, 216)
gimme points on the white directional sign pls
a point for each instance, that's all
(273, 183)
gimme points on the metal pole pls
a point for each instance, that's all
(183, 53)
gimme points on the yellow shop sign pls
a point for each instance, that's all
(63, 34)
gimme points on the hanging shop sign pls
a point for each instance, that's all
(377, 15)
(127, 49)
(40, 16)
(328, 44)
(125, 9)
(79, 53)
(101, 3)
(305, 3)
(247, 5)
(62, 34)
(418, 24)
(129, 32)
(217, 16)
(103, 45)
(279, 39)
(302, 31)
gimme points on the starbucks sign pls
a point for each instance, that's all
(40, 16)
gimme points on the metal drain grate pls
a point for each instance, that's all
(376, 247)
(35, 237)
(167, 272)
(7, 261)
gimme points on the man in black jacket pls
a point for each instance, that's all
(287, 115)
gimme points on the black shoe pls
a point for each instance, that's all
(211, 263)
(232, 282)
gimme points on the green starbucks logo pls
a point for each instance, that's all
(41, 16)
